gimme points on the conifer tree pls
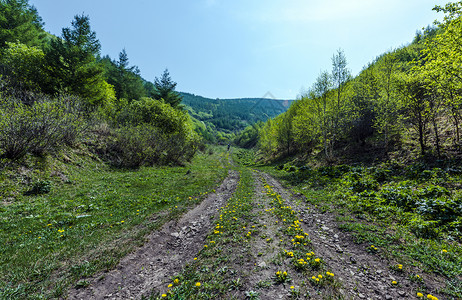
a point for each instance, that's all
(165, 89)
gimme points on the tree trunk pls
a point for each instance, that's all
(421, 135)
(437, 137)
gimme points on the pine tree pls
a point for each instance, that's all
(165, 89)
(20, 22)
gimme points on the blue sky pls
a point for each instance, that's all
(237, 48)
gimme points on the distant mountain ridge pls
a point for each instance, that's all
(226, 117)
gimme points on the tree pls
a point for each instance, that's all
(415, 102)
(165, 89)
(72, 64)
(386, 106)
(340, 77)
(20, 22)
(23, 66)
(126, 79)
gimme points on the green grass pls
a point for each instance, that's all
(91, 220)
(411, 213)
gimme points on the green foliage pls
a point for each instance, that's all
(72, 65)
(40, 128)
(132, 147)
(415, 87)
(39, 188)
(164, 89)
(20, 23)
(248, 138)
(154, 112)
(223, 118)
(126, 80)
(23, 66)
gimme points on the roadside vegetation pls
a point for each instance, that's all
(62, 226)
(409, 214)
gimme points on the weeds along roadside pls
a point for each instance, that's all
(226, 261)
(86, 225)
(401, 211)
(299, 252)
(216, 271)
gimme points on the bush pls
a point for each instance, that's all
(39, 128)
(39, 188)
(132, 147)
(424, 229)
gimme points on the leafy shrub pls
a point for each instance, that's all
(132, 147)
(333, 171)
(358, 182)
(400, 195)
(382, 174)
(156, 113)
(423, 228)
(39, 128)
(442, 208)
(39, 188)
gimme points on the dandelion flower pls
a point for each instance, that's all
(394, 282)
(164, 295)
(198, 284)
(292, 287)
(420, 295)
(170, 285)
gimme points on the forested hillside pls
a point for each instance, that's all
(59, 92)
(406, 103)
(221, 119)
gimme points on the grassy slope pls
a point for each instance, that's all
(90, 219)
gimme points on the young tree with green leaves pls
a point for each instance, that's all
(23, 66)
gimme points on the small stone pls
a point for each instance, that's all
(338, 249)
(361, 296)
(262, 264)
(402, 293)
(335, 236)
(353, 260)
(388, 297)
(379, 272)
(325, 228)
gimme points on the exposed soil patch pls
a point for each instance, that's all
(364, 275)
(166, 251)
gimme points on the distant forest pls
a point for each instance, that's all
(219, 120)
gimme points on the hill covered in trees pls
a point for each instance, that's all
(59, 92)
(219, 120)
(404, 104)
